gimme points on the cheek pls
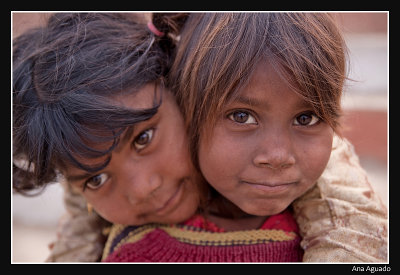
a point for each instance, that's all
(316, 157)
(173, 149)
(174, 161)
(219, 157)
(112, 211)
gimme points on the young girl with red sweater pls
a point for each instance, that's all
(261, 98)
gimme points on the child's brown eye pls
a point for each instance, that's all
(306, 119)
(143, 139)
(242, 117)
(96, 182)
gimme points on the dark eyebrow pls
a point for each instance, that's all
(264, 103)
(251, 101)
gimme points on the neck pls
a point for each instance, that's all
(228, 216)
(229, 224)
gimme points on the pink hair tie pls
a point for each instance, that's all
(154, 30)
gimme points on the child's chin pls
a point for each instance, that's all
(269, 211)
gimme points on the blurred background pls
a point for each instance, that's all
(365, 102)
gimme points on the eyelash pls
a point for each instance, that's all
(250, 116)
(312, 122)
(150, 133)
(87, 182)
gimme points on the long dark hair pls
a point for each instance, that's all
(64, 77)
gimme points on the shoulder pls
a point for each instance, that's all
(342, 218)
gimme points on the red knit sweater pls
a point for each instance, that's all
(198, 240)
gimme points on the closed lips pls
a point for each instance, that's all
(269, 187)
(269, 184)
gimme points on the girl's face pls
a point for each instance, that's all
(267, 148)
(150, 177)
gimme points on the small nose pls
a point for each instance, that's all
(274, 152)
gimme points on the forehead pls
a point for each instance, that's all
(268, 81)
(144, 98)
(268, 91)
(271, 73)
